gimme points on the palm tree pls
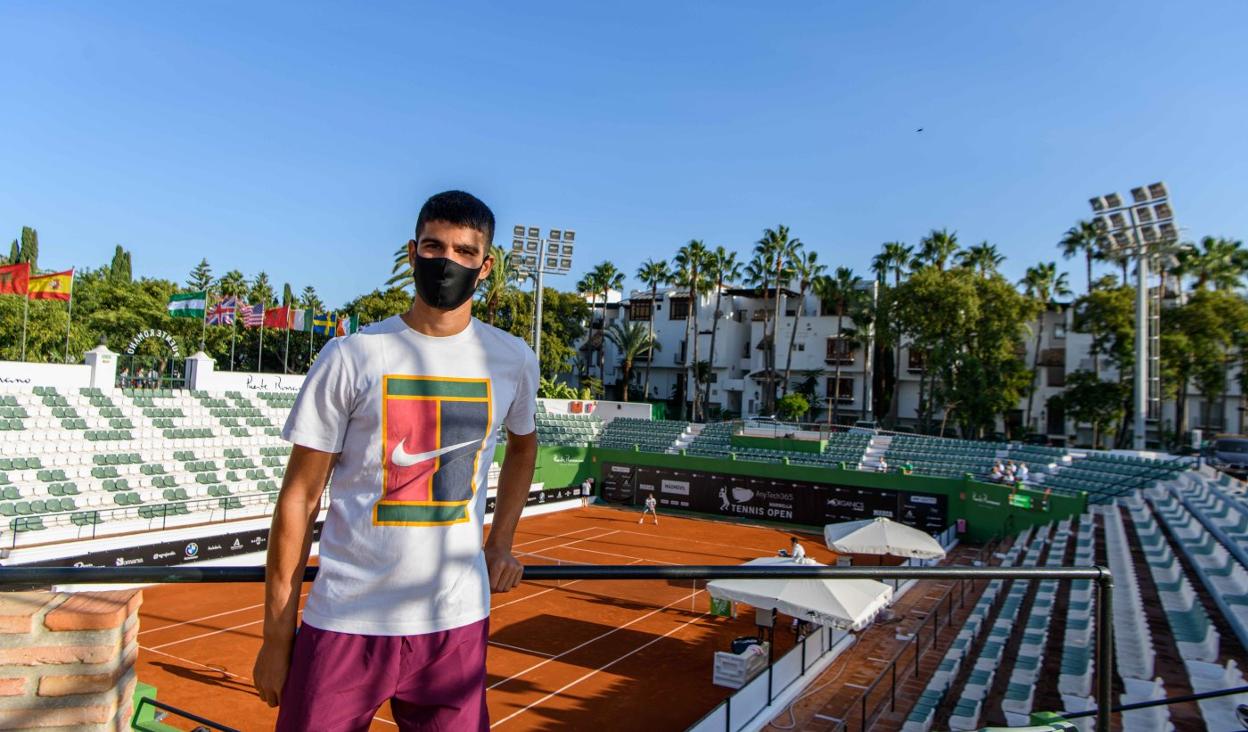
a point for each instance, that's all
(983, 258)
(1082, 237)
(1041, 284)
(607, 278)
(779, 251)
(653, 273)
(837, 292)
(632, 340)
(806, 268)
(690, 263)
(232, 284)
(588, 286)
(936, 249)
(499, 283)
(401, 273)
(893, 257)
(1218, 261)
(723, 267)
(261, 290)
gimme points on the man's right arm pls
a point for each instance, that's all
(290, 541)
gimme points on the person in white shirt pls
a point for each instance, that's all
(587, 491)
(998, 474)
(403, 417)
(883, 465)
(1023, 473)
(651, 508)
(797, 551)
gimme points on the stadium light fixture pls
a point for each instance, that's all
(1141, 229)
(541, 256)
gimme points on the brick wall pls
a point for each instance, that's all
(67, 660)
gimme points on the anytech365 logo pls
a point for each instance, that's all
(433, 430)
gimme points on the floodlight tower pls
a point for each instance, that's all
(1140, 229)
(533, 255)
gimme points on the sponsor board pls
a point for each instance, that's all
(170, 553)
(768, 499)
(542, 497)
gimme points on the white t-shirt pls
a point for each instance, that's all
(799, 552)
(415, 419)
(651, 503)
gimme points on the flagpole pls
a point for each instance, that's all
(286, 355)
(68, 324)
(233, 332)
(203, 319)
(260, 354)
(25, 315)
(311, 334)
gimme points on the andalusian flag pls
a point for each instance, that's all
(56, 286)
(188, 305)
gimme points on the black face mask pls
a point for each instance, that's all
(444, 284)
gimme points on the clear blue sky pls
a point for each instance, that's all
(300, 139)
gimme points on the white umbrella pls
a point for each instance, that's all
(881, 536)
(848, 603)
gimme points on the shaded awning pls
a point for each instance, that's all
(881, 536)
(840, 603)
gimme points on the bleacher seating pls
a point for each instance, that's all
(942, 457)
(86, 461)
(715, 440)
(567, 429)
(623, 433)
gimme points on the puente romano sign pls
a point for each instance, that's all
(153, 333)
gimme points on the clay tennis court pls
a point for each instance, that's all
(589, 654)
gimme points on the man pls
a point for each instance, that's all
(651, 508)
(797, 551)
(587, 491)
(404, 415)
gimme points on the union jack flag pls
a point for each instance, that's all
(222, 313)
(253, 315)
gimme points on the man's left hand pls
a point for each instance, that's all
(505, 570)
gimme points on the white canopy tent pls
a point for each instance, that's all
(881, 536)
(838, 603)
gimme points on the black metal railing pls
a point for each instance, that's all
(13, 577)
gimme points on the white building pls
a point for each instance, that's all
(738, 369)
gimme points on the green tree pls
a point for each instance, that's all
(837, 294)
(233, 284)
(1088, 399)
(936, 249)
(288, 296)
(792, 406)
(553, 389)
(722, 268)
(1082, 238)
(200, 279)
(894, 258)
(309, 299)
(500, 281)
(1107, 313)
(605, 278)
(30, 248)
(632, 341)
(652, 274)
(261, 291)
(982, 258)
(779, 250)
(401, 273)
(15, 254)
(119, 270)
(1041, 284)
(691, 274)
(806, 269)
(377, 305)
(1217, 261)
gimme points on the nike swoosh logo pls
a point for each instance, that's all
(404, 459)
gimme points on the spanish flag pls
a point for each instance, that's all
(56, 286)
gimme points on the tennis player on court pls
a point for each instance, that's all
(404, 415)
(651, 508)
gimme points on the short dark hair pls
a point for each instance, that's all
(460, 209)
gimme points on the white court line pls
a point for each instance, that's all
(522, 650)
(205, 635)
(256, 622)
(377, 717)
(538, 665)
(604, 667)
(252, 607)
(208, 617)
(552, 589)
(683, 540)
(595, 551)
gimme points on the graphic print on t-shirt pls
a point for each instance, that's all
(433, 430)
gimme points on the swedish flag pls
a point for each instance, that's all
(325, 324)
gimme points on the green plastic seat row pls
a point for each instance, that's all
(63, 489)
(13, 413)
(127, 499)
(175, 494)
(12, 425)
(24, 524)
(108, 435)
(121, 484)
(187, 433)
(164, 510)
(86, 518)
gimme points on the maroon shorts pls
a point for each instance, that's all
(434, 681)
